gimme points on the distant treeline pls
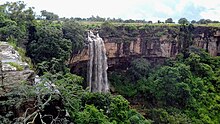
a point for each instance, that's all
(51, 16)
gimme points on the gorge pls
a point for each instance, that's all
(154, 43)
(107, 71)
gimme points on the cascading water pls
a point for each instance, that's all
(97, 64)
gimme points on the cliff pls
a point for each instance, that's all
(18, 90)
(124, 43)
(13, 70)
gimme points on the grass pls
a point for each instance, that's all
(21, 52)
(16, 65)
(127, 24)
(145, 24)
(209, 25)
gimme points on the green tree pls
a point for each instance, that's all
(183, 21)
(91, 115)
(23, 18)
(193, 22)
(202, 21)
(49, 15)
(108, 28)
(169, 20)
(185, 38)
(50, 46)
(76, 33)
(170, 85)
(139, 68)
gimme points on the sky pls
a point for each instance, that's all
(153, 10)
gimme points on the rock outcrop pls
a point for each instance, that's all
(152, 42)
(13, 69)
(19, 97)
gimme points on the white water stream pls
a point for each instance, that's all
(97, 64)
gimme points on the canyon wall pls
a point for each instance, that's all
(155, 43)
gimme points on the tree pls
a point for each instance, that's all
(183, 21)
(17, 12)
(49, 15)
(171, 85)
(76, 33)
(208, 21)
(169, 20)
(49, 46)
(204, 21)
(20, 19)
(215, 21)
(150, 22)
(185, 39)
(108, 28)
(139, 68)
(193, 21)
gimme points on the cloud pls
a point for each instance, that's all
(134, 9)
(211, 14)
(211, 11)
(162, 8)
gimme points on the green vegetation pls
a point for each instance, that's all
(185, 90)
(83, 107)
(21, 52)
(17, 66)
(183, 21)
(182, 90)
(49, 44)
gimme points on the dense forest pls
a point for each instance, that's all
(179, 91)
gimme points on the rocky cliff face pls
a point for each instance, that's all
(152, 42)
(13, 70)
(18, 100)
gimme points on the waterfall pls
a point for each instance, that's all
(97, 64)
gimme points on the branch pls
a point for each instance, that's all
(48, 100)
(27, 118)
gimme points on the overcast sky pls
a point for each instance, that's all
(130, 9)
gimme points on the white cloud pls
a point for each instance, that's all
(211, 14)
(207, 3)
(135, 9)
(162, 8)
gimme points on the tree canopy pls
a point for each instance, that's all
(183, 21)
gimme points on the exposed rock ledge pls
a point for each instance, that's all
(14, 106)
(10, 74)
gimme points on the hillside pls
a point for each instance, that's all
(157, 73)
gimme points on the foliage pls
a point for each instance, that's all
(169, 20)
(86, 107)
(139, 68)
(49, 15)
(50, 47)
(170, 85)
(183, 21)
(185, 39)
(171, 116)
(21, 51)
(16, 65)
(31, 101)
(122, 85)
(185, 90)
(76, 33)
(108, 28)
(91, 115)
(17, 20)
